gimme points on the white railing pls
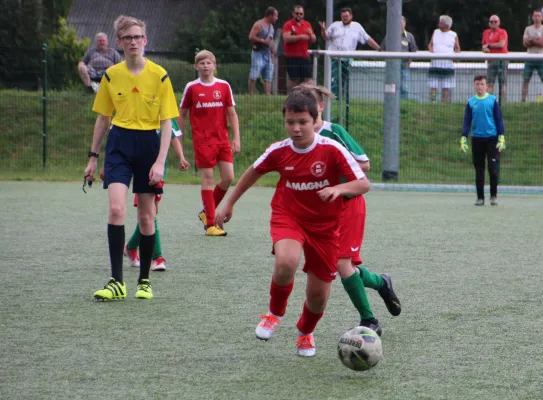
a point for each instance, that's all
(367, 73)
(426, 55)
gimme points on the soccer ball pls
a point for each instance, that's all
(360, 348)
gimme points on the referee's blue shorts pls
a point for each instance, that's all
(131, 153)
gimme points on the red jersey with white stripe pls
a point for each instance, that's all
(207, 104)
(303, 173)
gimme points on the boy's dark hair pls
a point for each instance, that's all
(537, 10)
(479, 78)
(269, 11)
(346, 9)
(299, 101)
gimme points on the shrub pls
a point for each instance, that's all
(65, 51)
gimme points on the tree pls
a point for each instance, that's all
(24, 26)
(226, 26)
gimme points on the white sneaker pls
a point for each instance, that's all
(306, 345)
(268, 324)
(158, 264)
(133, 257)
(95, 86)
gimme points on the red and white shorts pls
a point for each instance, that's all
(351, 228)
(209, 155)
(320, 251)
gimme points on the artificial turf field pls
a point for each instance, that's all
(470, 280)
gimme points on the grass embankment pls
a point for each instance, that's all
(429, 151)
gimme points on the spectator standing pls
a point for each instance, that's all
(344, 35)
(96, 60)
(495, 41)
(408, 45)
(297, 34)
(533, 41)
(262, 56)
(441, 73)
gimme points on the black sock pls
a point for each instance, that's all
(115, 237)
(147, 245)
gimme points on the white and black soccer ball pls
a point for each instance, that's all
(360, 348)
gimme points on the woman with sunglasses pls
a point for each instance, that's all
(139, 95)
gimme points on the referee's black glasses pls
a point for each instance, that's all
(136, 38)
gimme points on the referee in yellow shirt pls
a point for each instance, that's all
(141, 94)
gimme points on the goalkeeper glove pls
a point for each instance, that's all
(501, 143)
(464, 144)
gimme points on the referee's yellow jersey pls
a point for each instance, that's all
(140, 102)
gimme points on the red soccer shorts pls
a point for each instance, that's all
(351, 228)
(209, 155)
(320, 251)
(158, 196)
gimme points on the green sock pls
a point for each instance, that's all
(354, 287)
(371, 279)
(157, 252)
(134, 241)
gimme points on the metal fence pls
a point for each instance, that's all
(51, 129)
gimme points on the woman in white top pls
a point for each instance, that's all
(442, 71)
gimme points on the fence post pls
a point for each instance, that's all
(196, 51)
(339, 62)
(44, 103)
(347, 92)
(315, 69)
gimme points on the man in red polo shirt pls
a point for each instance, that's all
(297, 33)
(495, 41)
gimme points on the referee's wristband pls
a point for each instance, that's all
(92, 154)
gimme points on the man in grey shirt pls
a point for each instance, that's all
(408, 45)
(533, 41)
(262, 57)
(96, 60)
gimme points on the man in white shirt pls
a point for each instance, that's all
(344, 35)
(442, 71)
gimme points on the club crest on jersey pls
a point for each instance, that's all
(318, 168)
(216, 94)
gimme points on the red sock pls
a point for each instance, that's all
(209, 206)
(279, 298)
(218, 194)
(308, 321)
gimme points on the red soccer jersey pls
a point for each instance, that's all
(303, 173)
(207, 104)
(490, 36)
(299, 48)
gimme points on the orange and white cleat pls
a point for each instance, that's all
(133, 256)
(268, 324)
(306, 345)
(158, 264)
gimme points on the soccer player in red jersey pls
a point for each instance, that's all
(210, 103)
(306, 206)
(351, 227)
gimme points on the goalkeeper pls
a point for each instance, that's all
(483, 116)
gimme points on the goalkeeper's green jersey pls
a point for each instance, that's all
(339, 134)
